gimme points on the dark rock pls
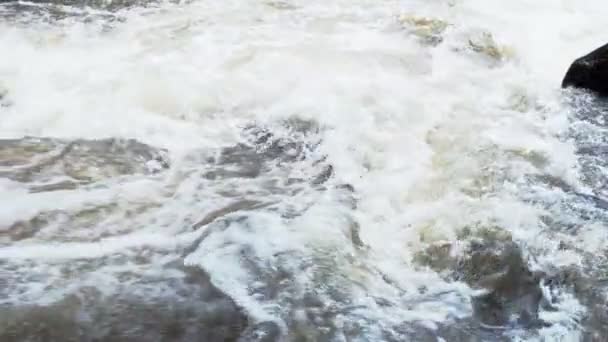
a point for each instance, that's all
(437, 257)
(513, 290)
(589, 72)
(232, 208)
(46, 164)
(198, 311)
(102, 4)
(493, 262)
(23, 13)
(43, 160)
(151, 296)
(4, 102)
(324, 176)
(262, 150)
(590, 290)
(41, 323)
(261, 332)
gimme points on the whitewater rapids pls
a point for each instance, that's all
(305, 158)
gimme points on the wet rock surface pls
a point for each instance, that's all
(52, 164)
(589, 72)
(187, 304)
(493, 263)
(590, 289)
(102, 4)
(150, 294)
(307, 291)
(483, 43)
(19, 13)
(184, 303)
(428, 30)
(572, 212)
(194, 311)
(44, 165)
(263, 150)
(4, 100)
(108, 13)
(513, 294)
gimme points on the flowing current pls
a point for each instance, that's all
(294, 170)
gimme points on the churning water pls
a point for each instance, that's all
(344, 170)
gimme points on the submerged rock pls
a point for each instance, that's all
(45, 165)
(103, 4)
(52, 164)
(4, 102)
(428, 30)
(23, 13)
(514, 293)
(262, 150)
(141, 291)
(590, 290)
(196, 311)
(281, 5)
(483, 43)
(494, 263)
(589, 72)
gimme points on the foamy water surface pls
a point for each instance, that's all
(425, 119)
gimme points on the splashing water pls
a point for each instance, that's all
(300, 171)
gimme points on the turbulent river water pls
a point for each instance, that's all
(291, 170)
